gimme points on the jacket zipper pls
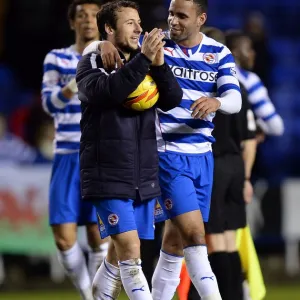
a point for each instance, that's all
(137, 156)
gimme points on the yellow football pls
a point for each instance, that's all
(145, 95)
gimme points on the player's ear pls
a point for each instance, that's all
(202, 19)
(108, 29)
(72, 25)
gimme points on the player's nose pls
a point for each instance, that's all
(89, 18)
(173, 20)
(138, 28)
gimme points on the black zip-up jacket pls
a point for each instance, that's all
(118, 149)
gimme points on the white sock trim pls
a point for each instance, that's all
(112, 269)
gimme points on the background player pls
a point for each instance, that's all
(267, 117)
(60, 100)
(119, 164)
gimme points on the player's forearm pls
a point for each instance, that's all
(70, 89)
(92, 47)
(231, 102)
(54, 101)
(273, 126)
(249, 153)
(56, 98)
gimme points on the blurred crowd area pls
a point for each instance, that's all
(31, 28)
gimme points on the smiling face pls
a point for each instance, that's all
(84, 23)
(128, 30)
(185, 21)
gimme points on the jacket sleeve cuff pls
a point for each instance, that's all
(159, 69)
(146, 58)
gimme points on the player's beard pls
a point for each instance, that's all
(177, 37)
(123, 46)
(126, 48)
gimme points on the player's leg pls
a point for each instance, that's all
(236, 279)
(72, 257)
(119, 221)
(181, 205)
(219, 261)
(144, 220)
(236, 218)
(195, 254)
(150, 249)
(166, 277)
(98, 246)
(215, 227)
(98, 249)
(191, 192)
(107, 281)
(63, 207)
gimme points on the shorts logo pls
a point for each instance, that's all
(158, 209)
(168, 204)
(113, 219)
(209, 58)
(101, 224)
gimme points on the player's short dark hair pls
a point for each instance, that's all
(214, 33)
(108, 15)
(72, 7)
(233, 37)
(202, 5)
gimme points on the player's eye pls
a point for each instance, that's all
(180, 16)
(80, 16)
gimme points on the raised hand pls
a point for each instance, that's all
(110, 56)
(160, 57)
(152, 42)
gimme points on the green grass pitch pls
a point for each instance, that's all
(273, 293)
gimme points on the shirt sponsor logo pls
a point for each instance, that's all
(188, 73)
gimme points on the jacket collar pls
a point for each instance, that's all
(132, 55)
